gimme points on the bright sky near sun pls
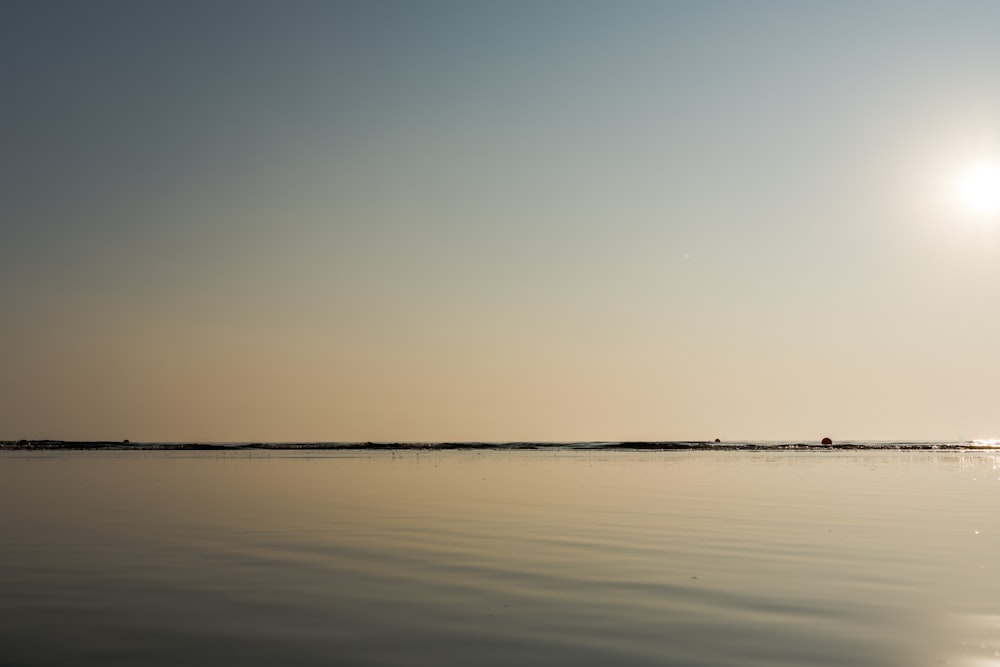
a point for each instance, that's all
(513, 220)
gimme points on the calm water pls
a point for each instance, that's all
(502, 557)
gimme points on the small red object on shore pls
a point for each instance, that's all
(827, 441)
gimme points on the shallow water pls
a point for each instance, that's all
(500, 557)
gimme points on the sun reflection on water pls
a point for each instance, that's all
(979, 640)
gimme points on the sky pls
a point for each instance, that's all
(425, 221)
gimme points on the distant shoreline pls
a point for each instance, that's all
(665, 445)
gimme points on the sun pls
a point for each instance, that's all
(978, 189)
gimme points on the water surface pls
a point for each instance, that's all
(499, 557)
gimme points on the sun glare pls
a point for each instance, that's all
(978, 189)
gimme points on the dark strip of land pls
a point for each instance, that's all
(666, 445)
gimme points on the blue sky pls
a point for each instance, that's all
(561, 220)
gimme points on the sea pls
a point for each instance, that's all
(688, 554)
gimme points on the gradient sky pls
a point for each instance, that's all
(512, 220)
